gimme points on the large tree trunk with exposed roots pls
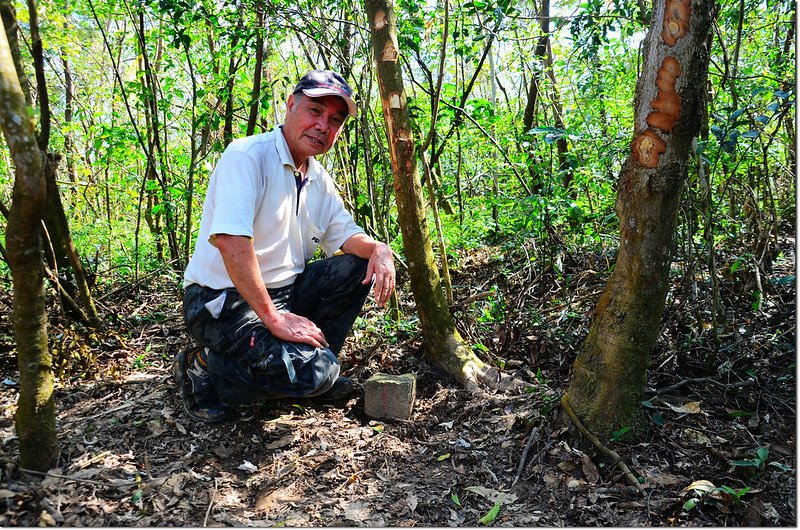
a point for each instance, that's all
(609, 373)
(443, 344)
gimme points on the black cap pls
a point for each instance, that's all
(318, 83)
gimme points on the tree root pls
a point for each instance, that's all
(597, 443)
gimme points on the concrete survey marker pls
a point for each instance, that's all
(390, 396)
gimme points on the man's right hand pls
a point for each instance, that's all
(295, 328)
(242, 266)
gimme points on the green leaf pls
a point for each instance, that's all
(137, 496)
(688, 505)
(737, 113)
(444, 457)
(617, 435)
(492, 514)
(734, 492)
(455, 499)
(551, 138)
(744, 463)
(780, 466)
(658, 419)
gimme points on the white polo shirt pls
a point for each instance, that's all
(253, 192)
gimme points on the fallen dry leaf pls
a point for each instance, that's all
(693, 407)
(696, 437)
(589, 469)
(703, 486)
(277, 497)
(281, 442)
(492, 495)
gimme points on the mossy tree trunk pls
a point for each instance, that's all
(443, 344)
(35, 417)
(609, 373)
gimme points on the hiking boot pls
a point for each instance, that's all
(341, 389)
(200, 399)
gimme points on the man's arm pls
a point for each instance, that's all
(242, 266)
(380, 266)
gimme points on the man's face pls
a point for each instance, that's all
(312, 125)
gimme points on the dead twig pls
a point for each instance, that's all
(597, 443)
(124, 406)
(533, 436)
(211, 502)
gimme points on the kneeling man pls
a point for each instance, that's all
(269, 322)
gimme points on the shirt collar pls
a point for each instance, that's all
(286, 156)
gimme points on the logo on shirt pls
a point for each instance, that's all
(315, 240)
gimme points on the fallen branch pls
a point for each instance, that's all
(695, 380)
(115, 484)
(474, 297)
(597, 443)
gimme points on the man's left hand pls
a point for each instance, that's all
(381, 267)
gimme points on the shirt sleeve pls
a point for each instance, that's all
(341, 225)
(236, 195)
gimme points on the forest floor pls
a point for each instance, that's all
(720, 450)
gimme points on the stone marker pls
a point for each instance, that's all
(390, 396)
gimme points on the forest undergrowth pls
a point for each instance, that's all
(719, 403)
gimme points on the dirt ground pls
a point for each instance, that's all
(720, 451)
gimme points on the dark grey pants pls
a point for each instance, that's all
(246, 363)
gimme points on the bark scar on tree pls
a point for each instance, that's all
(676, 20)
(380, 21)
(389, 52)
(667, 103)
(647, 147)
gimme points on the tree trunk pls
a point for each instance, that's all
(68, 110)
(545, 51)
(35, 417)
(255, 93)
(230, 84)
(193, 151)
(443, 345)
(528, 116)
(67, 257)
(608, 376)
